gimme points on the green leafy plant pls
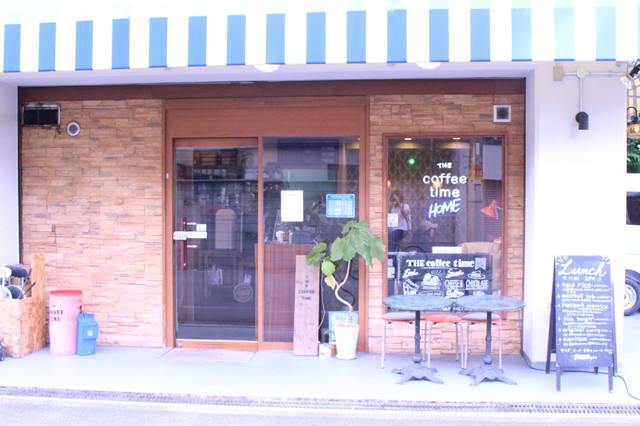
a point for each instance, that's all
(356, 239)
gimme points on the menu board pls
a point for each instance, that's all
(308, 152)
(584, 311)
(446, 274)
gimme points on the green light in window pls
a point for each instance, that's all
(411, 161)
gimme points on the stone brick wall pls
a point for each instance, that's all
(433, 114)
(93, 204)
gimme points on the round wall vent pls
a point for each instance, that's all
(73, 129)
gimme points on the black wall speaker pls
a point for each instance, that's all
(41, 115)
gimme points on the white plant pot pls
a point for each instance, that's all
(346, 340)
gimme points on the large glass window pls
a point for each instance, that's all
(445, 208)
(311, 189)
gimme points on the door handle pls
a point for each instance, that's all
(183, 246)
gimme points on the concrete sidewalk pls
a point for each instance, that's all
(279, 374)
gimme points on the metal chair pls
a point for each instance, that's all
(391, 317)
(442, 319)
(481, 318)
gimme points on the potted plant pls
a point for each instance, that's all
(356, 239)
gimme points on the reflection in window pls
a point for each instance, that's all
(445, 196)
(310, 170)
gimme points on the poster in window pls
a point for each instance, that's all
(444, 274)
(292, 206)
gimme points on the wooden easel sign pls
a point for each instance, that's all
(306, 308)
(582, 327)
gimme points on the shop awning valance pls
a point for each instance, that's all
(143, 35)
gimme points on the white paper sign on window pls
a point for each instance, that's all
(392, 220)
(292, 206)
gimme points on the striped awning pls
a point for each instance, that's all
(114, 35)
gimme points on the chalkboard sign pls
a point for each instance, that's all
(446, 274)
(582, 314)
(306, 152)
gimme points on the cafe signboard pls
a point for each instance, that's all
(444, 274)
(444, 192)
(582, 322)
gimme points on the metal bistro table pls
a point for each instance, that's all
(417, 303)
(488, 303)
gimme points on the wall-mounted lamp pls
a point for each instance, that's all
(267, 67)
(582, 117)
(633, 126)
(626, 82)
(411, 161)
(428, 65)
(628, 79)
(492, 209)
(583, 120)
(633, 69)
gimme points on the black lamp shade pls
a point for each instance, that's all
(583, 120)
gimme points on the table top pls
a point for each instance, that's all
(489, 303)
(417, 302)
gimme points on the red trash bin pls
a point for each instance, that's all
(64, 307)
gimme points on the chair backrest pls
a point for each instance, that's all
(495, 250)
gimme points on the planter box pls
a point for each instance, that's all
(22, 322)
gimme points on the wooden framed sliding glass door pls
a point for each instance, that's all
(229, 284)
(216, 233)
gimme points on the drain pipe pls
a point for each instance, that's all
(558, 75)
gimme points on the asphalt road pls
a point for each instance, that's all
(48, 411)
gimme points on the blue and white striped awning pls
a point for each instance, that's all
(116, 35)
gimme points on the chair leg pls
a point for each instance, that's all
(466, 347)
(500, 346)
(429, 347)
(424, 341)
(458, 349)
(384, 340)
(462, 339)
(457, 344)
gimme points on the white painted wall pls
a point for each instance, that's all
(9, 232)
(575, 191)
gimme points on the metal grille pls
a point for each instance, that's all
(335, 404)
